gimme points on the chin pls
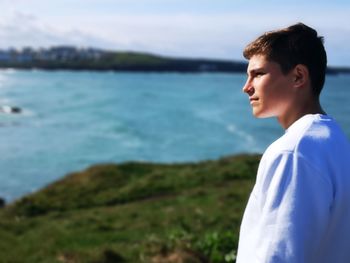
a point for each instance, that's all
(257, 114)
(261, 114)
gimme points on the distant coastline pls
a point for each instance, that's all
(72, 58)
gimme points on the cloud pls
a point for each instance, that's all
(24, 29)
(216, 35)
(178, 34)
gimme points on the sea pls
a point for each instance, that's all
(72, 120)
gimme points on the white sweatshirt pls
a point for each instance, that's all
(299, 209)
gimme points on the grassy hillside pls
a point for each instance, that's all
(132, 212)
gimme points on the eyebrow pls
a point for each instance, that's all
(254, 70)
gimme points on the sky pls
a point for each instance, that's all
(179, 28)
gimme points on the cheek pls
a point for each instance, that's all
(276, 90)
(265, 88)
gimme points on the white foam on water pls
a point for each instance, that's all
(27, 112)
(209, 115)
(2, 80)
(8, 70)
(132, 143)
(247, 138)
(5, 101)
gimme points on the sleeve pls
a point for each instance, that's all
(295, 207)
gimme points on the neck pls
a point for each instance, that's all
(295, 113)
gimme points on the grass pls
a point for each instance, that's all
(129, 213)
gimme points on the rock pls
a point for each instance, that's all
(2, 202)
(10, 109)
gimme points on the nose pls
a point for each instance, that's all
(248, 87)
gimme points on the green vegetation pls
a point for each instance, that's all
(133, 212)
(128, 61)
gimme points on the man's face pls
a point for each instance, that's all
(269, 90)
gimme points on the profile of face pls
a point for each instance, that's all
(270, 91)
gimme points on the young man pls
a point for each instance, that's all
(299, 209)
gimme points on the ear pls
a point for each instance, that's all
(300, 76)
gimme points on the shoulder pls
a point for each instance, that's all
(314, 134)
(323, 141)
(315, 144)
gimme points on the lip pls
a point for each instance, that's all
(253, 99)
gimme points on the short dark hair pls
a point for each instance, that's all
(296, 44)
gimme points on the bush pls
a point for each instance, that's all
(214, 247)
(218, 247)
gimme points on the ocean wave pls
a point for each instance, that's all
(247, 138)
(8, 70)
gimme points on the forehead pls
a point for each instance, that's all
(258, 62)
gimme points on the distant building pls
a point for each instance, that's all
(53, 54)
(5, 56)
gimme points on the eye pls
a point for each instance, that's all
(259, 74)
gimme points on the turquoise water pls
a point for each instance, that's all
(72, 120)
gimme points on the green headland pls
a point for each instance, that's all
(133, 212)
(73, 58)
